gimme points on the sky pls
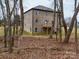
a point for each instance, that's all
(68, 5)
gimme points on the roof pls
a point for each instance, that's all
(40, 7)
(43, 8)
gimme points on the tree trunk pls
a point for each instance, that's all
(76, 41)
(4, 19)
(9, 25)
(71, 26)
(22, 16)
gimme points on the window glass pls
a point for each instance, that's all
(46, 21)
(37, 12)
(35, 29)
(36, 20)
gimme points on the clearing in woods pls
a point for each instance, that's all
(29, 47)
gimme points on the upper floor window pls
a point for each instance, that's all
(37, 12)
(36, 20)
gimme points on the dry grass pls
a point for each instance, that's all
(25, 33)
(40, 47)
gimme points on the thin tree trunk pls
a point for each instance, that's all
(60, 28)
(76, 44)
(9, 25)
(62, 15)
(5, 40)
(22, 16)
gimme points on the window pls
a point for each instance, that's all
(35, 29)
(37, 12)
(36, 20)
(46, 21)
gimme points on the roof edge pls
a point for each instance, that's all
(39, 10)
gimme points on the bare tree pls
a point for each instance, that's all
(75, 4)
(10, 31)
(21, 16)
(71, 25)
(4, 18)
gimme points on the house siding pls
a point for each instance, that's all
(28, 21)
(41, 16)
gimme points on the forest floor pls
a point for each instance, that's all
(40, 48)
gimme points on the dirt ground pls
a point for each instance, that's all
(40, 48)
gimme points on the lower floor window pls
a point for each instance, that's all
(35, 29)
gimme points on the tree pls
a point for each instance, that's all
(22, 16)
(58, 7)
(66, 40)
(10, 30)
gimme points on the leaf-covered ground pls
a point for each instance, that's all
(40, 48)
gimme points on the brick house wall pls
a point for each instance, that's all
(28, 21)
(36, 19)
